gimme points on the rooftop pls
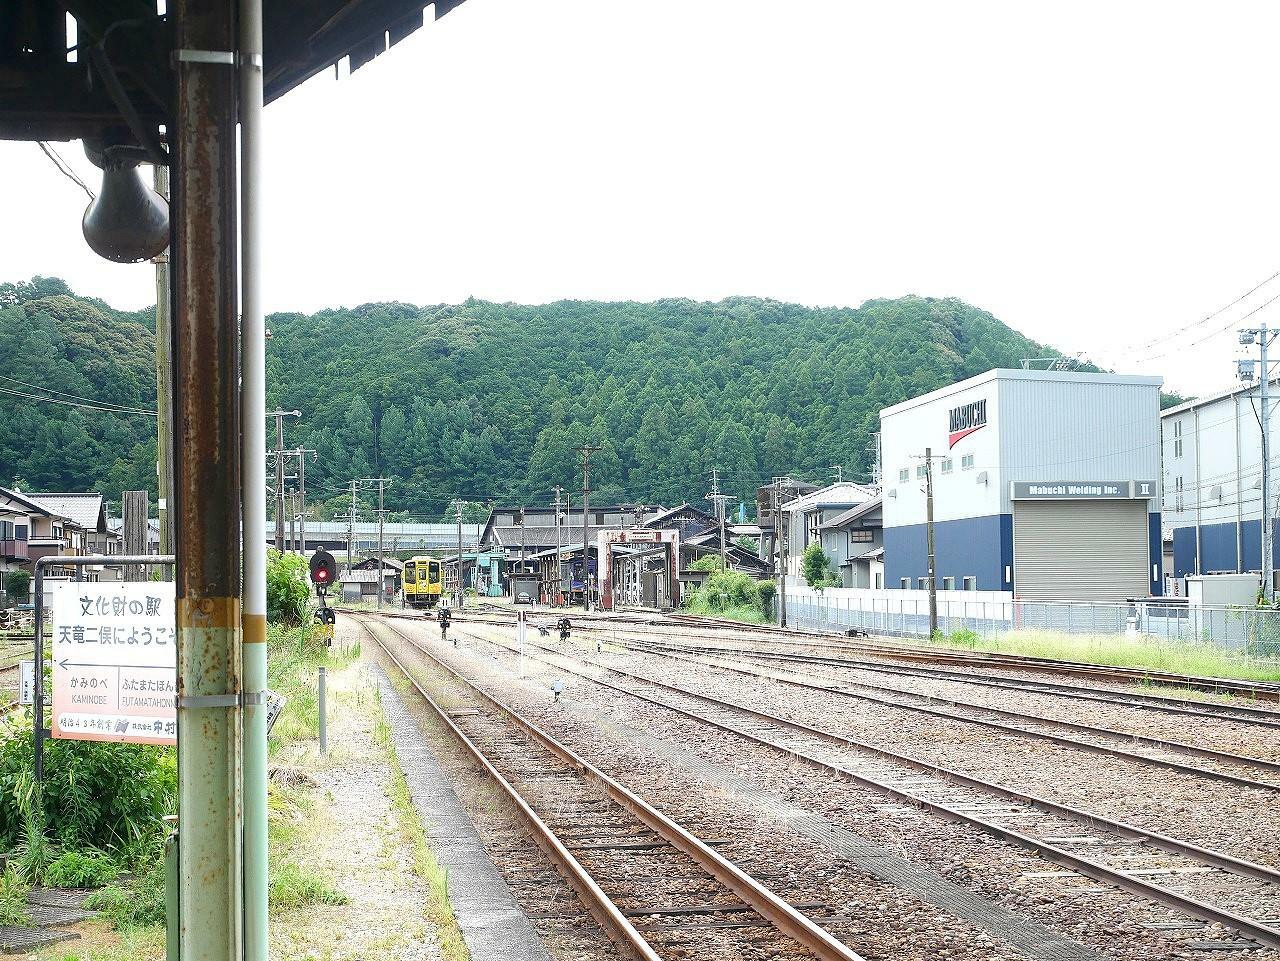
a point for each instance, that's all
(1001, 373)
(83, 510)
(846, 492)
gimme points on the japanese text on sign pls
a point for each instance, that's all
(115, 662)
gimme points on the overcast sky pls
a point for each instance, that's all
(1098, 175)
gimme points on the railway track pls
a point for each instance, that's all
(624, 857)
(1254, 690)
(1204, 883)
(1169, 753)
(1265, 691)
(1243, 713)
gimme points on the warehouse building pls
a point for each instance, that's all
(1212, 482)
(1045, 484)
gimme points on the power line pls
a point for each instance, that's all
(1203, 320)
(87, 400)
(64, 168)
(68, 403)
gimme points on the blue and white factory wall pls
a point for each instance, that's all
(980, 547)
(1227, 547)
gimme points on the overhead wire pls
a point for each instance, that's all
(88, 400)
(64, 168)
(69, 403)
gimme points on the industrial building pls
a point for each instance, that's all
(1212, 482)
(1045, 484)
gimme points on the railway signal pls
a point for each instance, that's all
(324, 570)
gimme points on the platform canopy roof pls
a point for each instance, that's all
(120, 86)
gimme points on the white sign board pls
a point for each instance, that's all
(115, 662)
(26, 682)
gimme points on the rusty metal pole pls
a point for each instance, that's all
(207, 478)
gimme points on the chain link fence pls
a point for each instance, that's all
(1242, 631)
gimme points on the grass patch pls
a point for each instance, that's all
(81, 869)
(294, 658)
(136, 905)
(292, 886)
(13, 899)
(1113, 650)
(425, 865)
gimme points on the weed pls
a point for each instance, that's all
(13, 898)
(80, 869)
(1115, 650)
(134, 905)
(292, 886)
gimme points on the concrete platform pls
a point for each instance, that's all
(493, 925)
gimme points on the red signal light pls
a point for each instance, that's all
(322, 575)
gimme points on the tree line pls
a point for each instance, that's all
(488, 401)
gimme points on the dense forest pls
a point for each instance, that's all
(487, 401)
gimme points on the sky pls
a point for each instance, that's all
(1099, 176)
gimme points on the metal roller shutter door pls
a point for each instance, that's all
(1080, 550)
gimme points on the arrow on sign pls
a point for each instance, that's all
(64, 664)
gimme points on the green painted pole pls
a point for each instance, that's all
(207, 479)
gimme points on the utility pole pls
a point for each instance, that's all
(780, 539)
(280, 415)
(382, 514)
(718, 499)
(1263, 336)
(556, 594)
(351, 527)
(302, 495)
(293, 521)
(838, 470)
(459, 596)
(928, 518)
(164, 387)
(586, 450)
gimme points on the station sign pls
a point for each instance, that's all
(1082, 490)
(115, 663)
(26, 682)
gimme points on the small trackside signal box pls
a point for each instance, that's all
(324, 569)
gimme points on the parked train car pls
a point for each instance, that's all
(422, 582)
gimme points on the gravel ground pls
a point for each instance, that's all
(353, 839)
(1113, 923)
(1230, 817)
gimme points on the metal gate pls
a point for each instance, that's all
(1080, 550)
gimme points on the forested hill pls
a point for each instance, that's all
(488, 400)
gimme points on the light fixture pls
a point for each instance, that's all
(127, 222)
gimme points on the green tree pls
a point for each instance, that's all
(287, 591)
(16, 585)
(816, 567)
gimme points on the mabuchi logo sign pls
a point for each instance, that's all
(964, 420)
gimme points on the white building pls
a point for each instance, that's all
(1045, 484)
(1212, 482)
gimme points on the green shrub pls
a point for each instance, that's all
(98, 795)
(287, 591)
(16, 585)
(731, 594)
(816, 567)
(133, 905)
(13, 899)
(80, 869)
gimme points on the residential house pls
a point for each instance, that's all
(805, 516)
(788, 489)
(16, 513)
(854, 540)
(65, 527)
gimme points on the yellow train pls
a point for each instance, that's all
(422, 582)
